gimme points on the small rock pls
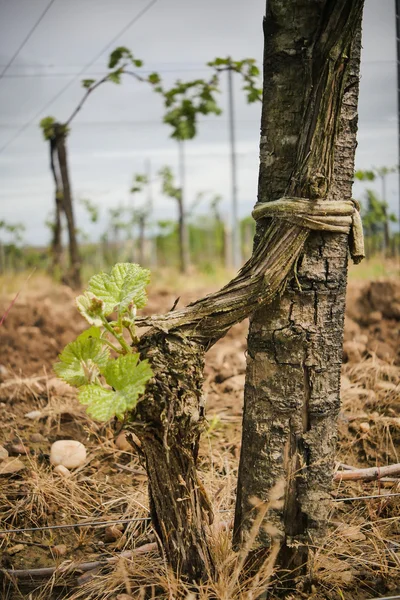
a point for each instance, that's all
(15, 549)
(34, 414)
(11, 465)
(362, 339)
(364, 427)
(69, 453)
(113, 533)
(16, 449)
(122, 443)
(3, 371)
(37, 437)
(60, 550)
(62, 471)
(3, 453)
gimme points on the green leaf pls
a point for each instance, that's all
(137, 62)
(82, 360)
(87, 83)
(154, 78)
(128, 377)
(117, 54)
(91, 308)
(125, 285)
(115, 76)
(47, 126)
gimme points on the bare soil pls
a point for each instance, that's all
(361, 556)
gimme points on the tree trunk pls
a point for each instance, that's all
(311, 62)
(183, 238)
(142, 227)
(184, 246)
(56, 244)
(169, 424)
(75, 261)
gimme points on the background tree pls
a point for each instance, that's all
(11, 237)
(184, 102)
(56, 134)
(140, 215)
(376, 208)
(250, 73)
(172, 191)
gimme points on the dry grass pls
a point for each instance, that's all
(358, 559)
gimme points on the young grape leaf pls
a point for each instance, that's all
(91, 308)
(128, 377)
(125, 284)
(82, 360)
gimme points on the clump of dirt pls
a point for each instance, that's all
(372, 326)
(36, 329)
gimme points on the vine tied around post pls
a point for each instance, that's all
(319, 215)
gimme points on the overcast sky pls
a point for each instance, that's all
(120, 126)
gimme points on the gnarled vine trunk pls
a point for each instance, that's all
(308, 45)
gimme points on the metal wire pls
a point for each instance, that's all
(76, 76)
(387, 598)
(28, 36)
(380, 496)
(73, 525)
(88, 524)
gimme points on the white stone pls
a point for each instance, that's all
(34, 414)
(68, 453)
(62, 471)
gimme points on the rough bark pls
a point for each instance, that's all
(169, 423)
(311, 61)
(74, 257)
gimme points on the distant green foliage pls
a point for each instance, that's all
(375, 211)
(108, 386)
(48, 125)
(168, 184)
(249, 71)
(91, 208)
(87, 83)
(15, 230)
(139, 181)
(122, 53)
(374, 173)
(375, 214)
(185, 101)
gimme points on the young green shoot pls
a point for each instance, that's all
(109, 375)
